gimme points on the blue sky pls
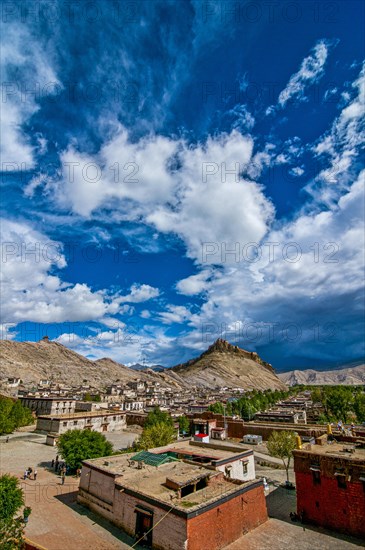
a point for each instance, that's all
(174, 172)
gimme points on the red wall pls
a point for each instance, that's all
(338, 509)
(227, 522)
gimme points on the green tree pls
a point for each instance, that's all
(13, 415)
(281, 445)
(6, 423)
(359, 407)
(216, 408)
(22, 416)
(158, 417)
(157, 435)
(11, 500)
(338, 402)
(78, 445)
(184, 425)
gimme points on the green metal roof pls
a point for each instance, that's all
(153, 459)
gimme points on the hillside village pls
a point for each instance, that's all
(223, 408)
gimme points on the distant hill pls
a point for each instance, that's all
(347, 375)
(226, 365)
(139, 367)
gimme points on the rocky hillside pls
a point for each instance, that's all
(32, 361)
(226, 365)
(221, 365)
(348, 375)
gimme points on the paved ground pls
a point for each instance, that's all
(280, 533)
(57, 522)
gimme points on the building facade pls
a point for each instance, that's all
(99, 421)
(49, 405)
(172, 503)
(330, 481)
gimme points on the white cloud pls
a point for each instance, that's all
(22, 90)
(246, 302)
(30, 290)
(140, 293)
(342, 147)
(178, 189)
(123, 345)
(145, 314)
(199, 216)
(195, 284)
(311, 70)
(174, 314)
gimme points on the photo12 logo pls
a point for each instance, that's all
(252, 252)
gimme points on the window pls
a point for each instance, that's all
(228, 471)
(316, 477)
(244, 467)
(114, 418)
(75, 422)
(341, 482)
(64, 423)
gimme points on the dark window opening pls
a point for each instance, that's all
(317, 504)
(188, 489)
(316, 478)
(341, 482)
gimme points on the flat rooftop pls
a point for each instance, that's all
(203, 450)
(337, 450)
(150, 481)
(75, 415)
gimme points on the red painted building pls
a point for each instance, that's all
(330, 482)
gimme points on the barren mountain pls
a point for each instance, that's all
(221, 365)
(348, 375)
(33, 361)
(226, 365)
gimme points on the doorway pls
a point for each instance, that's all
(144, 522)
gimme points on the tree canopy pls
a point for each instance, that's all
(78, 445)
(184, 425)
(13, 415)
(158, 417)
(281, 445)
(11, 500)
(157, 435)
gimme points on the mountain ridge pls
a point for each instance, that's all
(346, 375)
(221, 365)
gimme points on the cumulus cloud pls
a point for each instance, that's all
(311, 261)
(140, 293)
(174, 314)
(195, 284)
(30, 289)
(124, 345)
(171, 186)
